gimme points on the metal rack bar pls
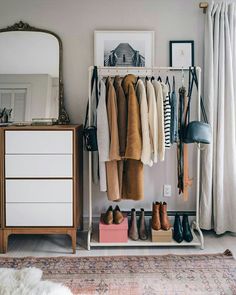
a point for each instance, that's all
(142, 72)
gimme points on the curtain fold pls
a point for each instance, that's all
(218, 161)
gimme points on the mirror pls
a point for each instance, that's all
(31, 74)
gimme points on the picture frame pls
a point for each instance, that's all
(181, 53)
(124, 48)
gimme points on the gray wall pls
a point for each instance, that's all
(75, 20)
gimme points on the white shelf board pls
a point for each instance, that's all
(148, 243)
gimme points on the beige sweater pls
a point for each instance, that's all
(146, 155)
(152, 118)
(160, 117)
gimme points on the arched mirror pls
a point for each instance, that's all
(31, 74)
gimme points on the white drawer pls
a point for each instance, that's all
(40, 190)
(39, 214)
(38, 142)
(38, 166)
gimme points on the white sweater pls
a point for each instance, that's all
(160, 117)
(102, 135)
(146, 155)
(152, 118)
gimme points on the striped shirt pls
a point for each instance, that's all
(167, 115)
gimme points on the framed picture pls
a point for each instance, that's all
(124, 48)
(181, 54)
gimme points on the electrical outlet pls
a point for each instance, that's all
(167, 190)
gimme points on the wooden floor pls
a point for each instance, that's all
(45, 245)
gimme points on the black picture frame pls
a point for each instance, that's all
(180, 41)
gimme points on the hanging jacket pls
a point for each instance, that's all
(102, 135)
(152, 118)
(182, 149)
(146, 155)
(113, 190)
(160, 118)
(174, 115)
(132, 187)
(122, 119)
(122, 109)
(134, 137)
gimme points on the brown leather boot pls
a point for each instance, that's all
(117, 215)
(143, 233)
(133, 228)
(108, 216)
(165, 222)
(156, 223)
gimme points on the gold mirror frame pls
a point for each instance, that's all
(63, 117)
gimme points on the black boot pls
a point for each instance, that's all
(178, 230)
(142, 228)
(187, 234)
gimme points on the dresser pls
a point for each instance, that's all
(41, 181)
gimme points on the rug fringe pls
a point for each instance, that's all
(228, 253)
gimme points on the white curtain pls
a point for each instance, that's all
(218, 191)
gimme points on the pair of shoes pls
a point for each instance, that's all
(113, 216)
(160, 219)
(138, 230)
(182, 231)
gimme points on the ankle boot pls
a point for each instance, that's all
(133, 228)
(178, 230)
(108, 216)
(117, 215)
(156, 223)
(165, 222)
(187, 234)
(143, 234)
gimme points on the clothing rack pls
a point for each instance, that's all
(92, 238)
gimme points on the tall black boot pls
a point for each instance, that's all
(187, 233)
(178, 230)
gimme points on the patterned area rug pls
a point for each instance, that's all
(134, 275)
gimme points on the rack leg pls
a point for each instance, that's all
(89, 238)
(197, 228)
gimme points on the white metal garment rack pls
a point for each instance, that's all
(92, 238)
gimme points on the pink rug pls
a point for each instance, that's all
(134, 275)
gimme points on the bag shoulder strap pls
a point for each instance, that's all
(193, 79)
(93, 81)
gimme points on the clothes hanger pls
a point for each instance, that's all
(159, 79)
(168, 83)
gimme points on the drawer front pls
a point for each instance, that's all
(39, 214)
(40, 190)
(38, 166)
(38, 142)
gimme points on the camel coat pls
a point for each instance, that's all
(132, 187)
(113, 189)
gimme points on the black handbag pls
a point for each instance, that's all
(196, 131)
(90, 132)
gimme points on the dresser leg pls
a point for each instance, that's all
(5, 236)
(1, 241)
(73, 234)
